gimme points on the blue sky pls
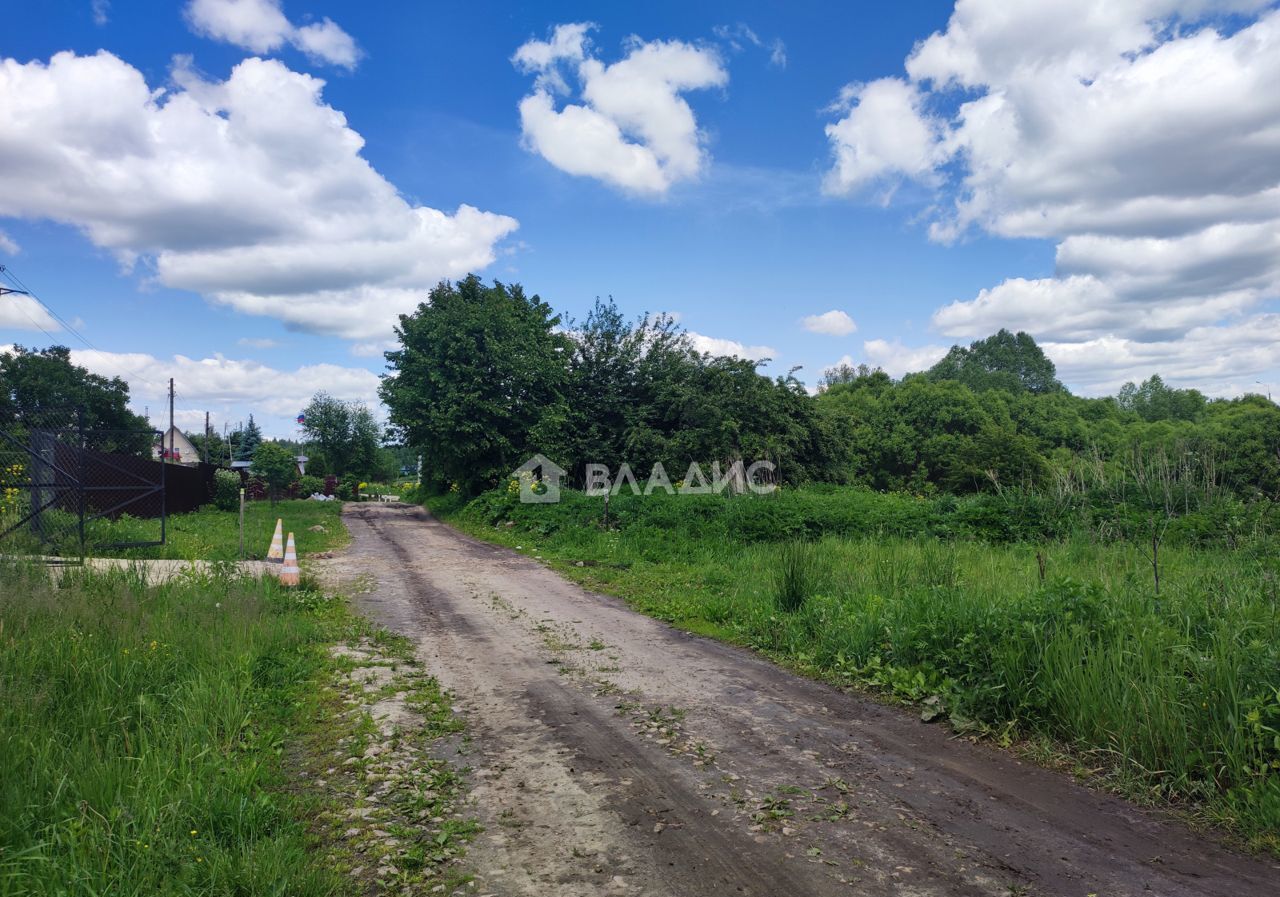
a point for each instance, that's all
(843, 161)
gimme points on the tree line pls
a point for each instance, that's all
(45, 389)
(487, 375)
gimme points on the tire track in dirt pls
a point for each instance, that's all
(811, 790)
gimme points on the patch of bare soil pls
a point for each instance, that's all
(387, 773)
(612, 754)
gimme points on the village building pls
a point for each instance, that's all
(176, 448)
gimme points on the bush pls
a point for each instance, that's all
(309, 485)
(226, 490)
(276, 465)
(349, 487)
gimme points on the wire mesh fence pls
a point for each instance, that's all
(66, 487)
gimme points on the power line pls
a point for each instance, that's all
(5, 291)
(25, 290)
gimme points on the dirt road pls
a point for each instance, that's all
(614, 755)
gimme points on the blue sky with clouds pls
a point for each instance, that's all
(243, 194)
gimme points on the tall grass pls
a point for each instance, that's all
(141, 733)
(1176, 694)
(795, 576)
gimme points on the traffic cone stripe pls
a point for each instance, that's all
(289, 572)
(276, 554)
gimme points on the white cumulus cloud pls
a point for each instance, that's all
(832, 323)
(1142, 137)
(260, 26)
(19, 312)
(632, 128)
(896, 359)
(250, 191)
(230, 389)
(713, 345)
(884, 132)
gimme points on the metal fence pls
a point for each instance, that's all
(67, 486)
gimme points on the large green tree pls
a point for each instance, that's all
(640, 393)
(1004, 360)
(478, 381)
(44, 388)
(345, 436)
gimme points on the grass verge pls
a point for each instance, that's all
(213, 535)
(161, 738)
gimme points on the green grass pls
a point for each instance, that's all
(1176, 696)
(207, 534)
(213, 535)
(171, 739)
(142, 730)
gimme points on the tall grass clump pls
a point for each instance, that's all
(795, 578)
(142, 730)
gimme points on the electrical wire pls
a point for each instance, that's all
(7, 273)
(26, 314)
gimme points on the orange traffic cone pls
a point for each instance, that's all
(276, 554)
(289, 569)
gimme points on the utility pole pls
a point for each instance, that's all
(171, 434)
(206, 437)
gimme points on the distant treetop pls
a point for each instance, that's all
(1009, 361)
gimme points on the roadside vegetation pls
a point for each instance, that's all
(1093, 576)
(1053, 638)
(485, 377)
(189, 737)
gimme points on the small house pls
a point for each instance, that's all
(176, 448)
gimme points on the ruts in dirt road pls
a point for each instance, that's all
(612, 754)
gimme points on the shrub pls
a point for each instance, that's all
(276, 465)
(349, 487)
(309, 485)
(226, 490)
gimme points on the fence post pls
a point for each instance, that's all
(81, 448)
(43, 461)
(242, 524)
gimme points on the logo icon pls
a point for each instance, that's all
(539, 480)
